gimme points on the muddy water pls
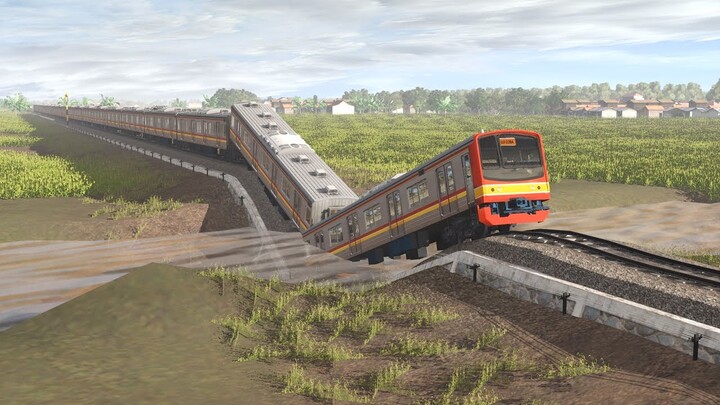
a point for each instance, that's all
(38, 275)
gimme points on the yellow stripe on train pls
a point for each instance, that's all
(512, 188)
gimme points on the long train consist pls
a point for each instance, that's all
(487, 182)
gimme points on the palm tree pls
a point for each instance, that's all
(297, 105)
(17, 102)
(108, 101)
(313, 104)
(178, 103)
(64, 101)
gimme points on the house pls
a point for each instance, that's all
(651, 111)
(612, 103)
(603, 112)
(711, 113)
(282, 105)
(666, 102)
(626, 113)
(698, 103)
(631, 96)
(568, 103)
(639, 104)
(340, 107)
(687, 112)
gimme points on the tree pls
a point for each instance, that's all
(177, 103)
(108, 101)
(297, 105)
(714, 93)
(387, 102)
(477, 100)
(314, 104)
(416, 98)
(224, 98)
(447, 105)
(435, 99)
(64, 101)
(17, 102)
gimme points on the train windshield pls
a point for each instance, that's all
(510, 157)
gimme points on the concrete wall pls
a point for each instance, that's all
(527, 284)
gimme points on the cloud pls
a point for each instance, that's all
(151, 49)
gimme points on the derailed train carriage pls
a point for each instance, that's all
(487, 182)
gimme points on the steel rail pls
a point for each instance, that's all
(623, 253)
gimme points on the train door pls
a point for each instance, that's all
(442, 188)
(397, 227)
(354, 230)
(469, 187)
(450, 181)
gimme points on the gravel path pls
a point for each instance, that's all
(248, 178)
(698, 303)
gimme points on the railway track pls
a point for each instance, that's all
(675, 269)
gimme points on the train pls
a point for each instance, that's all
(485, 183)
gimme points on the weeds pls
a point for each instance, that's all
(234, 327)
(120, 208)
(387, 377)
(488, 338)
(413, 347)
(573, 367)
(297, 382)
(431, 316)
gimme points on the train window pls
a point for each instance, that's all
(286, 187)
(336, 234)
(296, 200)
(372, 217)
(416, 193)
(466, 166)
(441, 181)
(489, 153)
(450, 178)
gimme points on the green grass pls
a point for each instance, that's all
(680, 153)
(12, 123)
(490, 337)
(431, 316)
(120, 208)
(386, 378)
(17, 140)
(114, 172)
(574, 367)
(23, 175)
(298, 383)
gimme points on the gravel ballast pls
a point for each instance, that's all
(699, 303)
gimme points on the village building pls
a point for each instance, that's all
(651, 111)
(340, 107)
(626, 113)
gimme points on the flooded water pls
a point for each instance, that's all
(36, 276)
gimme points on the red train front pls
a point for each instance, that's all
(510, 178)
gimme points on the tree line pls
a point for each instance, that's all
(515, 100)
(494, 101)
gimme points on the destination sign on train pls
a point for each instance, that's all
(508, 142)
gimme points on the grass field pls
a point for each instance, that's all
(674, 153)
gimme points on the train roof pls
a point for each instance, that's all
(297, 157)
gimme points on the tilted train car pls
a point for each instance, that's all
(488, 181)
(305, 187)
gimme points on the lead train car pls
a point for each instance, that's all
(486, 182)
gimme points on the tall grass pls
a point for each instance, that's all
(24, 175)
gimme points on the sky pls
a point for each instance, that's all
(159, 50)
